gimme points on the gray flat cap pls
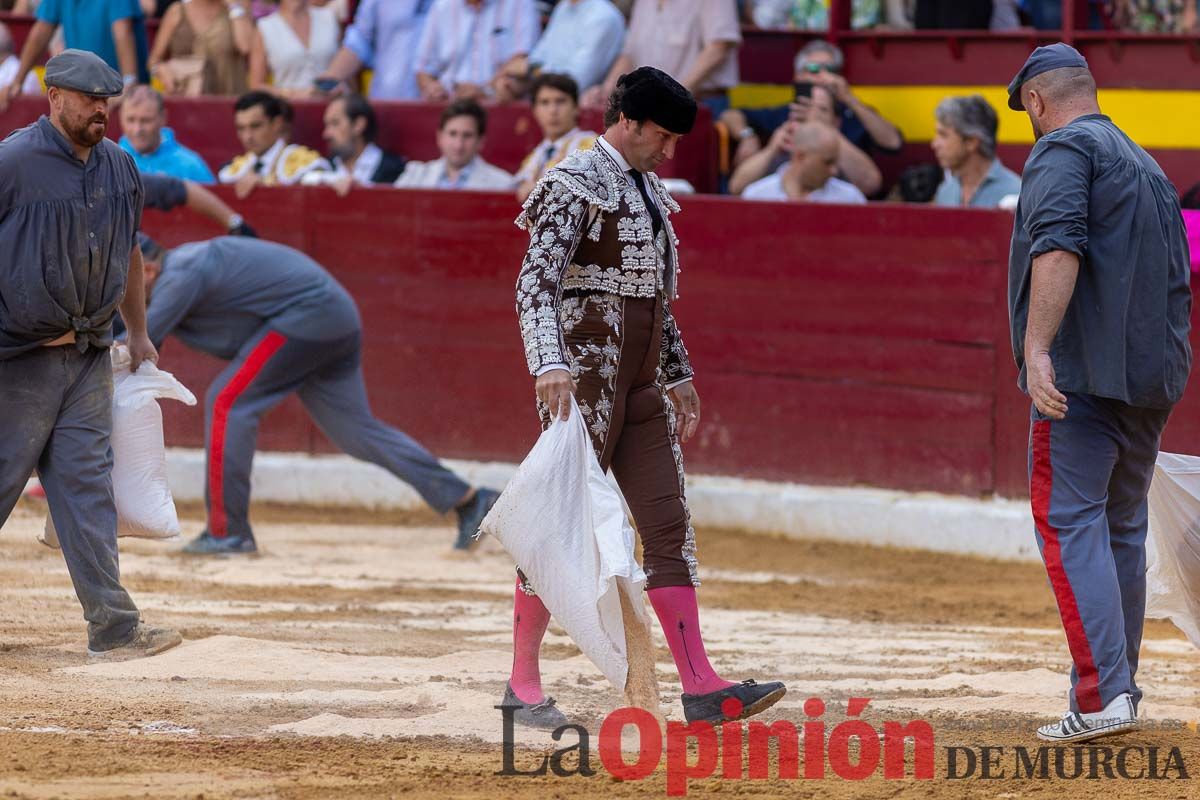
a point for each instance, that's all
(1044, 59)
(81, 71)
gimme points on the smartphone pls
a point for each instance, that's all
(326, 84)
(803, 89)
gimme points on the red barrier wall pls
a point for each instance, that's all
(833, 345)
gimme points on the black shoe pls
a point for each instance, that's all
(208, 545)
(470, 517)
(754, 698)
(544, 716)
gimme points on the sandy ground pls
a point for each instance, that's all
(356, 657)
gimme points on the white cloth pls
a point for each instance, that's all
(482, 176)
(565, 527)
(1173, 544)
(8, 72)
(145, 507)
(835, 190)
(294, 65)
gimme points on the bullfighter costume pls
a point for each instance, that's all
(594, 297)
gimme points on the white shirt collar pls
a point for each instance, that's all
(271, 156)
(614, 154)
(365, 167)
(560, 140)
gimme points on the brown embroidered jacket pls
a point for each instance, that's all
(589, 229)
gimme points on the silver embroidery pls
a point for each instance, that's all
(689, 540)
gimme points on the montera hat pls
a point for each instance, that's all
(651, 94)
(81, 71)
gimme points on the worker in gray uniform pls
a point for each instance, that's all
(70, 205)
(287, 327)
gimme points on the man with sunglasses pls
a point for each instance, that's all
(818, 63)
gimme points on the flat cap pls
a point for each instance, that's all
(1043, 59)
(81, 71)
(651, 94)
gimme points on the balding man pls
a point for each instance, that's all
(1099, 304)
(808, 176)
(153, 145)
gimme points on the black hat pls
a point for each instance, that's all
(1043, 59)
(81, 71)
(651, 94)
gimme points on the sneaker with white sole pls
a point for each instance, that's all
(1117, 717)
(146, 641)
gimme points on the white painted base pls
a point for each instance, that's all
(992, 528)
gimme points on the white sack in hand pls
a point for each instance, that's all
(145, 507)
(1173, 545)
(565, 527)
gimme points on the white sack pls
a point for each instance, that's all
(565, 527)
(1173, 545)
(145, 508)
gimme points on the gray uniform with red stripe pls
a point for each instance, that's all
(287, 327)
(1122, 359)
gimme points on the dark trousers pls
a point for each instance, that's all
(56, 413)
(613, 344)
(328, 378)
(1089, 477)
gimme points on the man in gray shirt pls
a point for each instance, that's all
(287, 327)
(70, 204)
(1099, 302)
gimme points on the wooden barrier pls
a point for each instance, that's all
(833, 345)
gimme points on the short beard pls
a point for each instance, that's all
(82, 134)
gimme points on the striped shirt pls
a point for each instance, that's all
(464, 43)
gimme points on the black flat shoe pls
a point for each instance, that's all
(544, 715)
(755, 698)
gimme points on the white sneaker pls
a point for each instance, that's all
(1117, 716)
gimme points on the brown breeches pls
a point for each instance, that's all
(613, 344)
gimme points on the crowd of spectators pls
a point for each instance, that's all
(561, 57)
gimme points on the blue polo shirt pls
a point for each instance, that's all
(87, 25)
(998, 183)
(171, 158)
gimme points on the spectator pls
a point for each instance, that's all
(459, 139)
(956, 14)
(813, 15)
(112, 29)
(295, 45)
(263, 122)
(467, 45)
(808, 176)
(10, 65)
(854, 165)
(555, 101)
(917, 184)
(383, 36)
(1006, 15)
(350, 131)
(694, 41)
(156, 8)
(201, 47)
(582, 40)
(965, 146)
(1154, 16)
(152, 145)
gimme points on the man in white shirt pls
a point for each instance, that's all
(466, 43)
(808, 176)
(555, 101)
(350, 131)
(582, 39)
(459, 139)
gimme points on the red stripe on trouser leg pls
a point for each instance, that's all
(249, 370)
(1087, 687)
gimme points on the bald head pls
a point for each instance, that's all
(1054, 98)
(813, 137)
(814, 156)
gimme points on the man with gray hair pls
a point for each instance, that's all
(1100, 306)
(965, 145)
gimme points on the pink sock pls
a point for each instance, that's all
(680, 620)
(530, 619)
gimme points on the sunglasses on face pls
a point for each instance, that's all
(813, 69)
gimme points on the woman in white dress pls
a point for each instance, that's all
(293, 46)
